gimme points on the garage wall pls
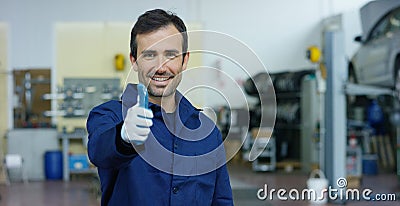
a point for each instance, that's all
(283, 27)
(87, 50)
(278, 31)
(32, 22)
(3, 82)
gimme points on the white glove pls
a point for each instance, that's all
(137, 125)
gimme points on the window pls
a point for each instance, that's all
(380, 29)
(395, 20)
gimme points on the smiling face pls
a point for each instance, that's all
(160, 61)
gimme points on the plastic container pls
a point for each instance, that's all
(78, 162)
(370, 164)
(317, 185)
(53, 162)
(375, 113)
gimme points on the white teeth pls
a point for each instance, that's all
(159, 79)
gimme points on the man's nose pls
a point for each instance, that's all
(162, 64)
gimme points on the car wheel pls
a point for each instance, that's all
(352, 75)
(397, 76)
(351, 79)
(396, 87)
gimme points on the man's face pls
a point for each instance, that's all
(159, 60)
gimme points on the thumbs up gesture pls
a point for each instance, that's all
(138, 120)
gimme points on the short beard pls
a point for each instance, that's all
(169, 90)
(164, 93)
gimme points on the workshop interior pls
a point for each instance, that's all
(309, 98)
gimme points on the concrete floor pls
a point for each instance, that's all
(245, 184)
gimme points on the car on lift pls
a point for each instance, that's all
(377, 61)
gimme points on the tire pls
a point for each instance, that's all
(351, 79)
(397, 75)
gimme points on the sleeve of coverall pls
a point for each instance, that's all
(106, 149)
(223, 190)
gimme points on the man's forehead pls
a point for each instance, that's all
(162, 46)
(167, 36)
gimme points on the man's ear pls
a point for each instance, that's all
(185, 61)
(133, 62)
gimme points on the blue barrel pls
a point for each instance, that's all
(53, 163)
(370, 164)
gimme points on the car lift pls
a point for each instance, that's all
(335, 140)
(357, 89)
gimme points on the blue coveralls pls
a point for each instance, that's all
(128, 179)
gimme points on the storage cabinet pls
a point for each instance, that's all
(32, 145)
(296, 118)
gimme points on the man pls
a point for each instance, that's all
(170, 153)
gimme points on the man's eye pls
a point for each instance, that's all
(149, 55)
(171, 55)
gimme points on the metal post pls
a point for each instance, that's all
(65, 146)
(335, 110)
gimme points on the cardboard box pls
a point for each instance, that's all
(264, 132)
(353, 182)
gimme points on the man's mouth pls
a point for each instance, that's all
(160, 79)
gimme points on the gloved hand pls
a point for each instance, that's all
(137, 124)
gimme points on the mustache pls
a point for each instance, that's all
(160, 74)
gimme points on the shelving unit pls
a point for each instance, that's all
(29, 86)
(74, 101)
(66, 138)
(297, 111)
(296, 120)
